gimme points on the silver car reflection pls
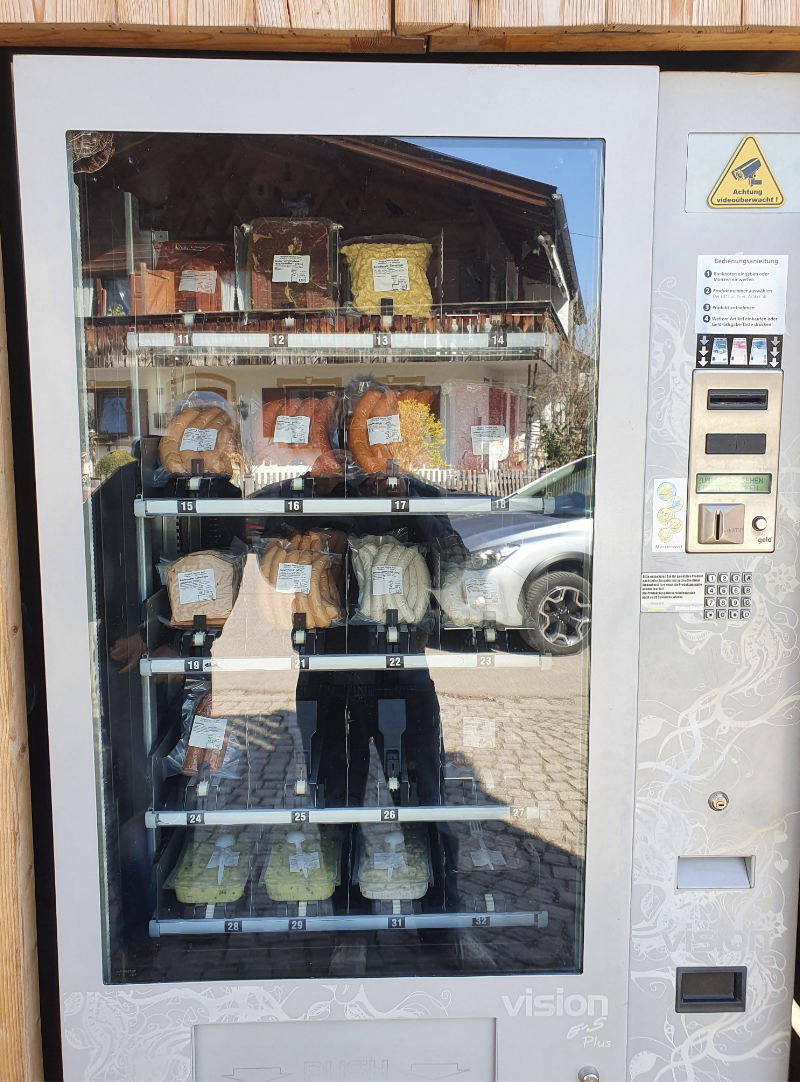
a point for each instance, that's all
(538, 558)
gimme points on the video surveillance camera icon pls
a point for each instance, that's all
(747, 171)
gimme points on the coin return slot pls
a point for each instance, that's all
(715, 873)
(717, 989)
(737, 399)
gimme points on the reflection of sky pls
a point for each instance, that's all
(573, 166)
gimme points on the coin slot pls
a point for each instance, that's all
(737, 398)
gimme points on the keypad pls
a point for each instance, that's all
(728, 595)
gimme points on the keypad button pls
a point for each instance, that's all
(722, 577)
(746, 614)
(736, 590)
(722, 590)
(746, 602)
(710, 614)
(747, 576)
(711, 578)
(721, 614)
(747, 590)
(734, 602)
(736, 577)
(733, 614)
(722, 602)
(710, 590)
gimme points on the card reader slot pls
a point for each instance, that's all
(737, 398)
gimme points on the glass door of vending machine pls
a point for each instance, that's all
(341, 679)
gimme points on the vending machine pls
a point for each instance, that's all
(372, 759)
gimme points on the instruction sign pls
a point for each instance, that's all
(672, 592)
(741, 293)
(746, 181)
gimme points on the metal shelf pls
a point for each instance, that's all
(353, 923)
(454, 813)
(345, 662)
(444, 505)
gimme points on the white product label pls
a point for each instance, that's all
(480, 590)
(384, 429)
(390, 275)
(291, 268)
(483, 857)
(291, 429)
(198, 281)
(301, 862)
(672, 592)
(208, 732)
(484, 435)
(222, 859)
(199, 439)
(387, 579)
(293, 579)
(196, 586)
(479, 733)
(669, 514)
(388, 861)
(741, 294)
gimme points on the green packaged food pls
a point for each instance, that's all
(213, 869)
(303, 865)
(393, 862)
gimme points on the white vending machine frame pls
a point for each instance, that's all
(142, 1032)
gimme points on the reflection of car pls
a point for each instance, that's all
(538, 557)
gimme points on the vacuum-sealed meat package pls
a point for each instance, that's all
(200, 437)
(292, 263)
(390, 268)
(208, 743)
(300, 580)
(389, 427)
(484, 426)
(202, 584)
(392, 574)
(203, 274)
(298, 430)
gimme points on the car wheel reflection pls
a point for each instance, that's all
(558, 608)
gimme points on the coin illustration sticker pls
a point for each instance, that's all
(669, 514)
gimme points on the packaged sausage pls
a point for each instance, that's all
(393, 861)
(199, 438)
(299, 429)
(299, 577)
(392, 429)
(484, 426)
(202, 274)
(213, 868)
(389, 268)
(303, 865)
(292, 263)
(207, 740)
(202, 584)
(391, 574)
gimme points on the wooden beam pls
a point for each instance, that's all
(20, 1036)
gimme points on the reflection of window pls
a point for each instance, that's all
(113, 413)
(113, 416)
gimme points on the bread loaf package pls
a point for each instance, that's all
(303, 865)
(202, 584)
(389, 268)
(296, 429)
(393, 861)
(484, 426)
(209, 743)
(199, 438)
(202, 272)
(391, 574)
(292, 263)
(213, 868)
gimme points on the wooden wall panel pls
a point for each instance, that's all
(74, 11)
(695, 13)
(185, 13)
(20, 1037)
(769, 13)
(429, 16)
(341, 16)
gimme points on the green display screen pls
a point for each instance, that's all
(734, 482)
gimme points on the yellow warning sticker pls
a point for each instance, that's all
(747, 180)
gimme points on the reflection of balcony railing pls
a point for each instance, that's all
(477, 482)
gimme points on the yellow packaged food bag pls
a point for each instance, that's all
(390, 269)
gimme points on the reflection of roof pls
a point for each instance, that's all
(501, 191)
